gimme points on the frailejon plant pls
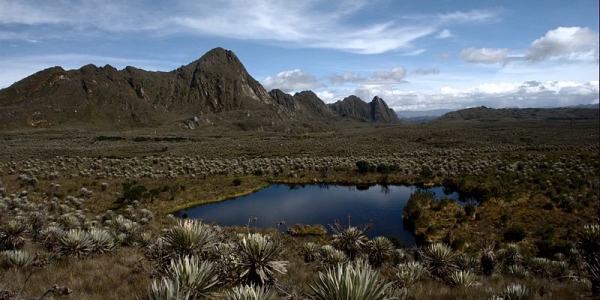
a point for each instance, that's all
(589, 250)
(440, 260)
(462, 278)
(516, 292)
(352, 281)
(166, 289)
(409, 273)
(331, 256)
(379, 250)
(15, 259)
(250, 292)
(488, 261)
(12, 235)
(75, 242)
(309, 251)
(190, 237)
(258, 256)
(351, 240)
(102, 241)
(192, 276)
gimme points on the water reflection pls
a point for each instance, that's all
(318, 204)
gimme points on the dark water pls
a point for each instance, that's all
(318, 204)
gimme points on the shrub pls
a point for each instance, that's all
(515, 234)
(426, 173)
(365, 167)
(237, 182)
(470, 209)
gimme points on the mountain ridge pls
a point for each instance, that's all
(214, 90)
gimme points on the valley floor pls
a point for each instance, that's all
(537, 184)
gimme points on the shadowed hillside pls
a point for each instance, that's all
(215, 90)
(485, 115)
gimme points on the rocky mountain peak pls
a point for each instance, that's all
(376, 111)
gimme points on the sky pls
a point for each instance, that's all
(416, 55)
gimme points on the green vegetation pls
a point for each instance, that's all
(91, 214)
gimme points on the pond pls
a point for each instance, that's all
(318, 204)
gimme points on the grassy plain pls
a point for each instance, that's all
(537, 176)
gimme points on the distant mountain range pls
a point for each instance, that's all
(213, 91)
(488, 115)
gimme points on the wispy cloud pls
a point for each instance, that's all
(431, 71)
(444, 34)
(310, 24)
(483, 55)
(395, 75)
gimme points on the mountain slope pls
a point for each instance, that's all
(109, 98)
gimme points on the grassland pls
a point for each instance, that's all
(537, 183)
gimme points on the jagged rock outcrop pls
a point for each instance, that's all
(381, 113)
(303, 105)
(376, 111)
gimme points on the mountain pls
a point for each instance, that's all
(354, 108)
(215, 90)
(483, 114)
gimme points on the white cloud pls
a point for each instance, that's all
(294, 80)
(327, 96)
(444, 34)
(565, 43)
(497, 95)
(483, 55)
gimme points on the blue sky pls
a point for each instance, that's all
(416, 55)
